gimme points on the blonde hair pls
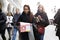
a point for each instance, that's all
(17, 9)
(42, 7)
(9, 13)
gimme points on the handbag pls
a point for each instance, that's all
(41, 29)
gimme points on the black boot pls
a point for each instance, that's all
(4, 38)
(9, 38)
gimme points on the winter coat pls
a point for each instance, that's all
(43, 22)
(57, 21)
(3, 19)
(26, 18)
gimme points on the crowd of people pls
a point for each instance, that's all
(39, 21)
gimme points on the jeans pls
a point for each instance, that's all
(14, 33)
(41, 37)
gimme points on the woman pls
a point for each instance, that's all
(26, 17)
(57, 22)
(41, 22)
(9, 26)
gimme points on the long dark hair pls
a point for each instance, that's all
(28, 9)
(29, 13)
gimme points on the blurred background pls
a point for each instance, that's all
(51, 7)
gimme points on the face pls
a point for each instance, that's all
(17, 11)
(40, 8)
(26, 10)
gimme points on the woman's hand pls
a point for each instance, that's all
(39, 17)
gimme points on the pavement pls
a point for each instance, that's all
(49, 33)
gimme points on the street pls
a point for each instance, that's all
(49, 33)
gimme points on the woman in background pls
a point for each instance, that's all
(9, 26)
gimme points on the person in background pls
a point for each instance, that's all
(3, 20)
(16, 28)
(9, 26)
(57, 23)
(27, 17)
(41, 22)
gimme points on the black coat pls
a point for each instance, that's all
(57, 21)
(28, 18)
(25, 18)
(3, 20)
(45, 21)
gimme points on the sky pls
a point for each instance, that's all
(48, 6)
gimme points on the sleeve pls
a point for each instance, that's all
(13, 19)
(44, 22)
(19, 19)
(4, 19)
(57, 19)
